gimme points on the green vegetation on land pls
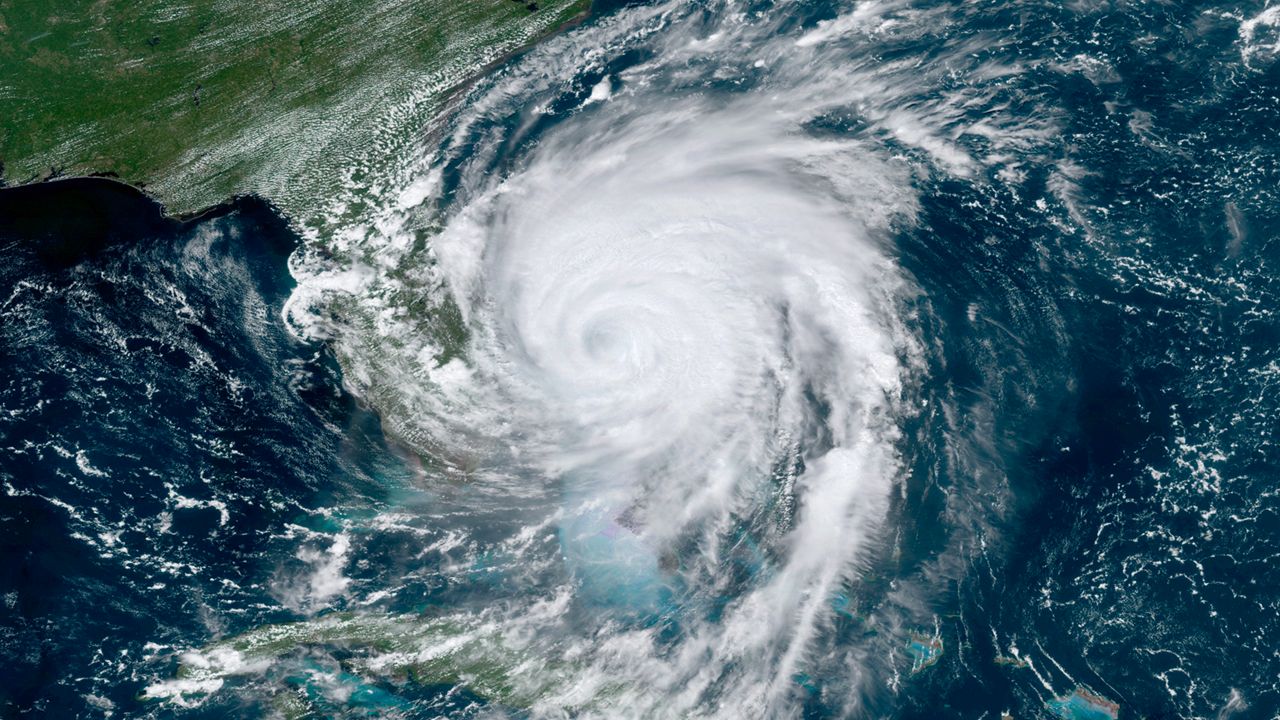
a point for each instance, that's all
(199, 100)
(385, 650)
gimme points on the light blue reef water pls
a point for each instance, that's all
(716, 359)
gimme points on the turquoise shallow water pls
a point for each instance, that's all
(1066, 506)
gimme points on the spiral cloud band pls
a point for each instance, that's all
(684, 352)
(664, 315)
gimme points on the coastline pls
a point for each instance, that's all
(77, 217)
(203, 157)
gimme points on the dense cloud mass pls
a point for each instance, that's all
(710, 360)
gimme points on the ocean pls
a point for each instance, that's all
(713, 360)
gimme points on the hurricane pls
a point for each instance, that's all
(724, 359)
(684, 347)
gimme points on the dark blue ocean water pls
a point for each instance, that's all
(160, 428)
(167, 448)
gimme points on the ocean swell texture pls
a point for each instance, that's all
(711, 360)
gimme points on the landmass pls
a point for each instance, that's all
(1082, 704)
(925, 650)
(382, 656)
(201, 100)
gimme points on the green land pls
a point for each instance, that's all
(199, 100)
(383, 651)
